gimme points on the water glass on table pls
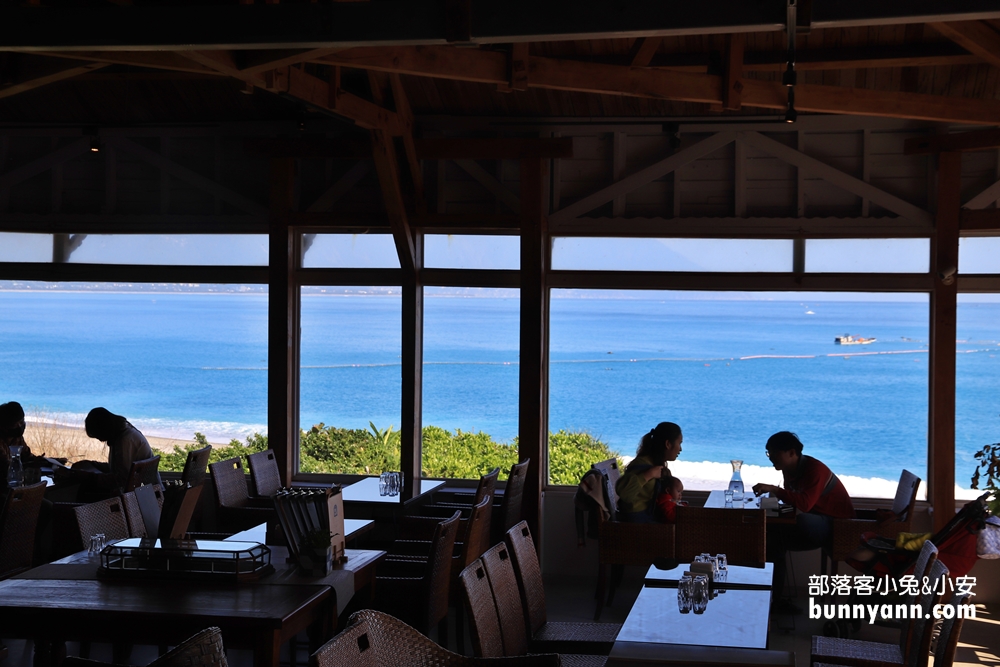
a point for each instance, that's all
(728, 494)
(699, 594)
(685, 593)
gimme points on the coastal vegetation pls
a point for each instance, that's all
(452, 455)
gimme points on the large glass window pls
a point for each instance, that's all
(635, 254)
(25, 247)
(173, 249)
(979, 255)
(350, 380)
(470, 390)
(734, 368)
(868, 255)
(349, 251)
(173, 359)
(472, 251)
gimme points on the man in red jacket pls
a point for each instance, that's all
(819, 498)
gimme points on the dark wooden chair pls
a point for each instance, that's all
(486, 488)
(374, 639)
(202, 650)
(142, 472)
(738, 533)
(196, 466)
(264, 474)
(847, 532)
(912, 649)
(236, 509)
(951, 630)
(509, 512)
(418, 592)
(543, 635)
(484, 622)
(18, 523)
(104, 516)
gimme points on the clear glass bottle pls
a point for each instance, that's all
(736, 483)
(15, 474)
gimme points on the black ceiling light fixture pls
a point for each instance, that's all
(789, 77)
(95, 139)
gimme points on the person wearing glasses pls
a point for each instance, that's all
(647, 478)
(818, 496)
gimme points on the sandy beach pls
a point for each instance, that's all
(71, 442)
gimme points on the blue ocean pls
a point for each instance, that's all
(729, 371)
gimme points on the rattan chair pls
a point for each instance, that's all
(912, 650)
(143, 472)
(202, 650)
(18, 522)
(486, 488)
(951, 630)
(196, 466)
(544, 635)
(509, 512)
(484, 623)
(418, 592)
(374, 639)
(264, 474)
(137, 523)
(738, 533)
(847, 532)
(104, 516)
(610, 471)
(237, 510)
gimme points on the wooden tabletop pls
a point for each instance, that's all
(366, 491)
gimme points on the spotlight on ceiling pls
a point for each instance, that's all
(95, 144)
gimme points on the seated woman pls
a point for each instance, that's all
(125, 446)
(647, 476)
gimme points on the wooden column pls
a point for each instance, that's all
(282, 323)
(412, 356)
(944, 300)
(533, 409)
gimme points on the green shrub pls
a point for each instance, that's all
(458, 455)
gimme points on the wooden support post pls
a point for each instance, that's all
(282, 323)
(533, 411)
(412, 356)
(944, 298)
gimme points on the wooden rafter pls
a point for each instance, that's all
(405, 119)
(44, 163)
(979, 140)
(643, 51)
(164, 60)
(387, 166)
(977, 37)
(37, 81)
(490, 182)
(984, 198)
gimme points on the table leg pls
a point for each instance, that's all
(267, 649)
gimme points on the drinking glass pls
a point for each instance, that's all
(383, 483)
(699, 594)
(728, 493)
(684, 593)
(395, 483)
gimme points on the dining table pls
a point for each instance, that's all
(68, 600)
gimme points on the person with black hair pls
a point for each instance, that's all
(11, 435)
(817, 494)
(125, 445)
(647, 475)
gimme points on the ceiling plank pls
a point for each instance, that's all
(440, 62)
(343, 185)
(984, 198)
(837, 177)
(643, 176)
(756, 227)
(980, 221)
(490, 182)
(268, 60)
(975, 36)
(35, 167)
(645, 48)
(978, 140)
(153, 59)
(39, 81)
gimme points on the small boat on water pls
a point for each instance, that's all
(848, 339)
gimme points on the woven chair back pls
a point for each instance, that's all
(513, 492)
(738, 533)
(142, 472)
(484, 623)
(622, 543)
(917, 651)
(202, 650)
(438, 573)
(906, 498)
(133, 515)
(477, 533)
(503, 582)
(104, 516)
(196, 466)
(487, 486)
(264, 474)
(529, 575)
(611, 474)
(951, 630)
(355, 646)
(18, 523)
(230, 483)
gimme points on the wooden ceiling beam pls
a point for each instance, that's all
(980, 221)
(979, 140)
(152, 59)
(977, 37)
(39, 80)
(256, 62)
(494, 149)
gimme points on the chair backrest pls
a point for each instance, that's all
(513, 492)
(622, 543)
(503, 582)
(921, 568)
(484, 623)
(437, 577)
(738, 533)
(906, 496)
(353, 647)
(951, 629)
(487, 486)
(176, 516)
(142, 510)
(917, 650)
(18, 522)
(529, 575)
(477, 533)
(611, 473)
(264, 473)
(142, 472)
(133, 515)
(230, 483)
(104, 516)
(196, 466)
(202, 650)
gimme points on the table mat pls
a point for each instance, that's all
(62, 571)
